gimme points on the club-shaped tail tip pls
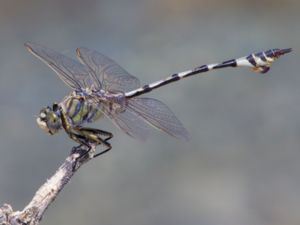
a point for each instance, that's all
(264, 65)
(280, 52)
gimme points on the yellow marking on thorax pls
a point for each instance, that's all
(78, 109)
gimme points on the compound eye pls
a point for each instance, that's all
(43, 116)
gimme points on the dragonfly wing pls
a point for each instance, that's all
(158, 115)
(107, 72)
(131, 123)
(73, 73)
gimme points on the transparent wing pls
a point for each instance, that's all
(142, 112)
(158, 115)
(131, 123)
(107, 72)
(73, 73)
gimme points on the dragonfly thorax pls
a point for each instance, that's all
(49, 119)
(116, 102)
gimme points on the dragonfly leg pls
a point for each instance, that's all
(87, 136)
(81, 149)
(82, 153)
(84, 135)
(98, 137)
(78, 149)
(108, 145)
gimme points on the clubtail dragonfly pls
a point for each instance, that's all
(100, 87)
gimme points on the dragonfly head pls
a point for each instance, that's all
(49, 119)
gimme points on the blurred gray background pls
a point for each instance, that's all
(241, 165)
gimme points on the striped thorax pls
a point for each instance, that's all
(79, 110)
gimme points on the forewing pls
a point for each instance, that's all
(73, 73)
(107, 72)
(158, 115)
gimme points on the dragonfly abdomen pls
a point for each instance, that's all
(80, 111)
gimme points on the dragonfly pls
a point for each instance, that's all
(101, 87)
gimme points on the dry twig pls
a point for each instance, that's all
(33, 212)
